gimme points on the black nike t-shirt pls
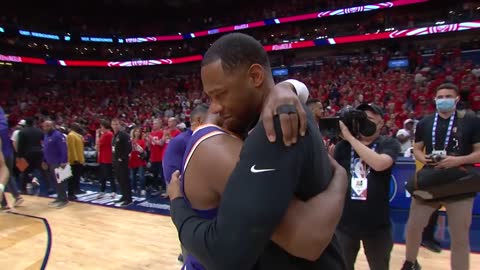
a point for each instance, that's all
(465, 133)
(364, 216)
(256, 197)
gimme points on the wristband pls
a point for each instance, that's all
(301, 89)
(2, 187)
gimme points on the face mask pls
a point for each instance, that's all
(445, 104)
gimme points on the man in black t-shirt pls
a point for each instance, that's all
(237, 77)
(366, 216)
(456, 137)
(121, 148)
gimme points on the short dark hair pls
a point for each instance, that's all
(200, 109)
(236, 50)
(312, 101)
(449, 86)
(76, 127)
(29, 121)
(104, 123)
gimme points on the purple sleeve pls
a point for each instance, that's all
(62, 146)
(172, 160)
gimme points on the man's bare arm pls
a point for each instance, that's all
(322, 212)
(418, 152)
(209, 168)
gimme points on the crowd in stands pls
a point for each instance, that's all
(403, 93)
(162, 104)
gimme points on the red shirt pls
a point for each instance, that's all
(475, 101)
(105, 148)
(135, 161)
(173, 133)
(421, 111)
(156, 151)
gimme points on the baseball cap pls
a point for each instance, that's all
(182, 126)
(22, 122)
(301, 89)
(371, 107)
(408, 121)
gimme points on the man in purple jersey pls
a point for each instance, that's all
(4, 174)
(173, 158)
(7, 150)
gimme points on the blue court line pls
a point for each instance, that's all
(49, 237)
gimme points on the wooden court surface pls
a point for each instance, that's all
(85, 236)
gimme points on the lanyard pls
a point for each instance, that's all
(352, 161)
(449, 131)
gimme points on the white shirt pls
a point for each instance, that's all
(14, 137)
(408, 143)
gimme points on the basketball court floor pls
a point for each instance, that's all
(86, 236)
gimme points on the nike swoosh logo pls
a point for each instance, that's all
(253, 170)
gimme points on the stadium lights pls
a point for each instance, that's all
(320, 41)
(302, 39)
(440, 23)
(261, 23)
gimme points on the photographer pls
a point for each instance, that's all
(368, 158)
(450, 140)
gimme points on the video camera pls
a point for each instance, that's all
(355, 120)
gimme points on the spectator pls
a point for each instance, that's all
(56, 156)
(121, 149)
(137, 161)
(104, 139)
(406, 135)
(29, 148)
(76, 159)
(156, 143)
